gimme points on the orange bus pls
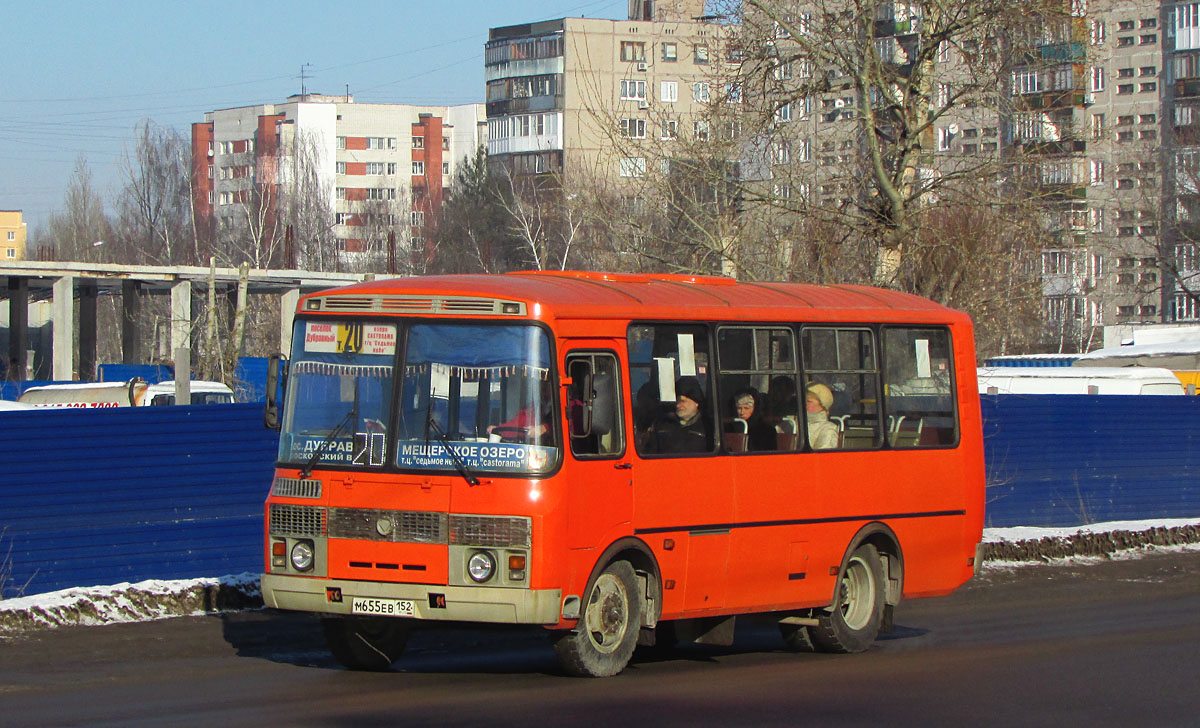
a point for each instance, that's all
(622, 459)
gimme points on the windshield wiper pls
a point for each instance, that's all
(459, 465)
(306, 471)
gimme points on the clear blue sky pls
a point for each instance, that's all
(78, 76)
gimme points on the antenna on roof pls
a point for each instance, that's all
(304, 77)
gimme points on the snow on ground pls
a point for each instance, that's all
(159, 599)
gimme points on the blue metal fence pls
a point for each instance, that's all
(1065, 460)
(103, 496)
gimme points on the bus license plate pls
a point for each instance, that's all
(383, 607)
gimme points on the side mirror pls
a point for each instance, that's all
(276, 385)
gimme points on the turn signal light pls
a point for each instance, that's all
(516, 562)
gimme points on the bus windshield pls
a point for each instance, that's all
(339, 394)
(485, 391)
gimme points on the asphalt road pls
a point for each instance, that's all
(1112, 643)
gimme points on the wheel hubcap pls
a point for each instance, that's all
(858, 594)
(607, 615)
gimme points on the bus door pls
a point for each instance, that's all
(683, 497)
(600, 489)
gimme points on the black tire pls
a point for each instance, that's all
(853, 622)
(366, 643)
(796, 638)
(607, 633)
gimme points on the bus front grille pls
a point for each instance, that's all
(296, 488)
(380, 525)
(288, 520)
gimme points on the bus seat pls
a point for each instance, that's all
(856, 437)
(906, 433)
(736, 441)
(786, 441)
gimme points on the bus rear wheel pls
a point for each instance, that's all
(365, 643)
(607, 633)
(853, 622)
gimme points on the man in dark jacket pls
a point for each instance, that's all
(684, 431)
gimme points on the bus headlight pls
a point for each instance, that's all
(481, 566)
(302, 555)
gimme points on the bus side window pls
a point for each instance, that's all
(594, 405)
(840, 364)
(757, 389)
(919, 387)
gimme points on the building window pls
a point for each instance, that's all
(1124, 73)
(341, 142)
(668, 92)
(341, 193)
(633, 90)
(374, 142)
(670, 52)
(1027, 82)
(1147, 134)
(375, 168)
(633, 51)
(670, 129)
(700, 130)
(1097, 78)
(1145, 71)
(12, 235)
(1150, 39)
(943, 95)
(418, 169)
(633, 167)
(1125, 26)
(1097, 171)
(445, 168)
(943, 52)
(633, 128)
(418, 142)
(701, 92)
(700, 54)
(391, 168)
(784, 113)
(1147, 118)
(416, 218)
(10, 253)
(1097, 126)
(1125, 41)
(391, 142)
(1097, 33)
(1124, 89)
(1148, 87)
(341, 168)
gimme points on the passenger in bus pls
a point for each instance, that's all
(822, 434)
(761, 435)
(683, 430)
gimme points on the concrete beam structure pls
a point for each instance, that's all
(23, 282)
(62, 317)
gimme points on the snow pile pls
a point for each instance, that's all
(1099, 539)
(125, 602)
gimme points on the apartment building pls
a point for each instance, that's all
(374, 166)
(12, 235)
(563, 96)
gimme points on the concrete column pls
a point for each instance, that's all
(131, 309)
(181, 326)
(287, 315)
(62, 316)
(18, 328)
(88, 344)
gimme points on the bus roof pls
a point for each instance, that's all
(590, 294)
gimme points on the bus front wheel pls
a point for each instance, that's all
(365, 643)
(853, 622)
(607, 633)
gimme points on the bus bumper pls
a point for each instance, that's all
(430, 602)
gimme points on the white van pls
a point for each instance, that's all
(1078, 380)
(134, 393)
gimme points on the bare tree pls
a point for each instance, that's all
(82, 229)
(155, 202)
